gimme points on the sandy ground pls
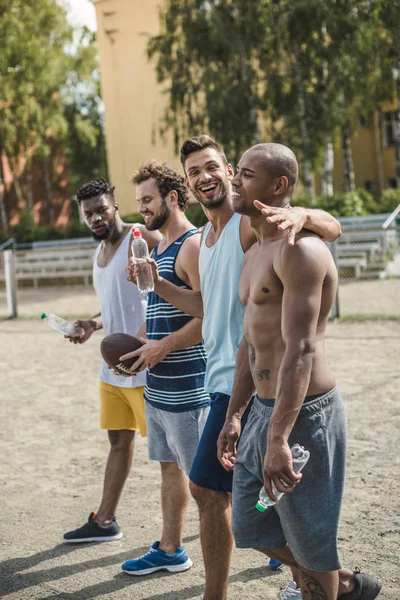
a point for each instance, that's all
(53, 455)
(359, 297)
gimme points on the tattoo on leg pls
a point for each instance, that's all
(263, 374)
(312, 588)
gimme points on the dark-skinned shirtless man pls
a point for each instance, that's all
(288, 294)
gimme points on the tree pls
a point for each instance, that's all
(49, 101)
(206, 59)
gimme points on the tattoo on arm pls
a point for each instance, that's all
(311, 588)
(263, 374)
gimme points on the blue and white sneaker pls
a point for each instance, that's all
(157, 560)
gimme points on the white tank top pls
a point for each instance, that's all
(220, 270)
(123, 307)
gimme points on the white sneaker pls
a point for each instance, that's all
(292, 592)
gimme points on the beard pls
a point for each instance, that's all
(107, 233)
(159, 220)
(213, 202)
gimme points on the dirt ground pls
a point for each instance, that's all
(53, 456)
(355, 298)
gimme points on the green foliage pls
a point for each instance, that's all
(196, 215)
(27, 231)
(347, 204)
(310, 69)
(389, 201)
(49, 91)
(133, 218)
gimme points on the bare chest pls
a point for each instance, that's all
(259, 285)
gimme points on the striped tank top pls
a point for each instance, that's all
(175, 384)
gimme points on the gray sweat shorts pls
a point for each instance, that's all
(308, 518)
(174, 436)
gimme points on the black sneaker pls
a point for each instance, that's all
(367, 587)
(93, 532)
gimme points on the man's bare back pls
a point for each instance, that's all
(263, 287)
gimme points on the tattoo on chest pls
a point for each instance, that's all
(312, 589)
(263, 374)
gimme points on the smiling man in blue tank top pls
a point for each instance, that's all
(224, 242)
(177, 406)
(122, 311)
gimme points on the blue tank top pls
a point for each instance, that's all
(176, 384)
(220, 270)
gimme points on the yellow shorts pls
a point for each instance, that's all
(122, 408)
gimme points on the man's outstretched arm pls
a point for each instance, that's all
(295, 218)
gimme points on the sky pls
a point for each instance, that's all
(81, 12)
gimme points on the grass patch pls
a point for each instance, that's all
(361, 318)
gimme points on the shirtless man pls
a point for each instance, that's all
(288, 294)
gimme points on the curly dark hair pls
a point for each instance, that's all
(166, 178)
(94, 188)
(197, 143)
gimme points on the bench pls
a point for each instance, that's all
(356, 264)
(385, 238)
(64, 263)
(357, 248)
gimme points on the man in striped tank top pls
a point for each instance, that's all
(224, 242)
(177, 406)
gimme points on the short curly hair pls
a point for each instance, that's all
(166, 178)
(94, 188)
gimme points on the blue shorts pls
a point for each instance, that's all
(206, 470)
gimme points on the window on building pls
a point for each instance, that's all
(391, 128)
(370, 186)
(392, 183)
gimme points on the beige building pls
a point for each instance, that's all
(133, 100)
(134, 105)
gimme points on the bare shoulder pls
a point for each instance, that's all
(308, 256)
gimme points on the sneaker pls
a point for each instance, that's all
(157, 560)
(367, 587)
(93, 532)
(291, 592)
(274, 564)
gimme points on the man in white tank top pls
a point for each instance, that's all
(123, 310)
(225, 240)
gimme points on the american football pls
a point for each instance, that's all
(115, 345)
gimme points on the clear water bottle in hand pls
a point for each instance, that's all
(300, 458)
(140, 252)
(61, 325)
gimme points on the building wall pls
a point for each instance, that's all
(133, 100)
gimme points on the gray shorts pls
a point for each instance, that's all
(308, 518)
(174, 436)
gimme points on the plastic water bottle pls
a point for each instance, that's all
(61, 325)
(140, 251)
(300, 459)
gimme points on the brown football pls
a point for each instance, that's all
(117, 344)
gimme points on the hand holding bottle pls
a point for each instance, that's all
(87, 328)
